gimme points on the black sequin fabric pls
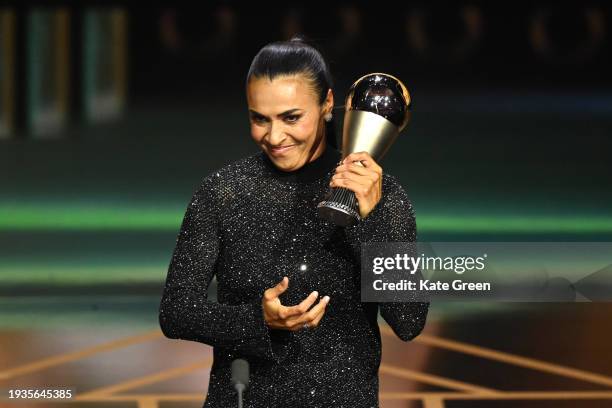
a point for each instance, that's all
(250, 223)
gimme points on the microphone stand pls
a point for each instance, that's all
(240, 377)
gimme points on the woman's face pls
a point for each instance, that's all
(287, 119)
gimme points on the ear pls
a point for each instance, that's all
(329, 102)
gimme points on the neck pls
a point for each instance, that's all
(318, 150)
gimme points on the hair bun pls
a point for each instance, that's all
(299, 38)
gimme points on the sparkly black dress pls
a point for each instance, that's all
(250, 224)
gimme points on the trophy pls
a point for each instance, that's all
(377, 109)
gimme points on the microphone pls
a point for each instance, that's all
(240, 377)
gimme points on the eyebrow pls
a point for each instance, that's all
(280, 115)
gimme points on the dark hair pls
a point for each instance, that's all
(296, 57)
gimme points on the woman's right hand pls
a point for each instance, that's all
(291, 318)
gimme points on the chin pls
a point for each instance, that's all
(285, 162)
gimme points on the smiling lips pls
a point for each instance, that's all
(280, 149)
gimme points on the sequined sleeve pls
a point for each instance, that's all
(392, 220)
(185, 312)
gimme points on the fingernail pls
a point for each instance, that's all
(326, 299)
(315, 293)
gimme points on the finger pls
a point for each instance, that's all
(364, 177)
(317, 320)
(357, 156)
(309, 316)
(317, 311)
(360, 190)
(355, 168)
(364, 158)
(301, 308)
(276, 291)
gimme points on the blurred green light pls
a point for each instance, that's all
(137, 218)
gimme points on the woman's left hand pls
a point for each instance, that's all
(365, 181)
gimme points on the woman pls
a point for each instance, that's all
(288, 281)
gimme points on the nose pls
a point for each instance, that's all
(275, 134)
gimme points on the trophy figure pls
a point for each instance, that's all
(377, 109)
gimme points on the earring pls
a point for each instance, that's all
(328, 117)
